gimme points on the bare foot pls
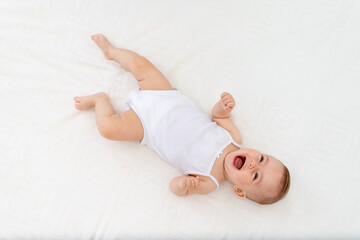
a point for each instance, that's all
(86, 102)
(104, 44)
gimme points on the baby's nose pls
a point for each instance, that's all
(253, 163)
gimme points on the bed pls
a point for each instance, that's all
(292, 66)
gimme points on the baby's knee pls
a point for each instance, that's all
(102, 95)
(140, 64)
(113, 127)
(105, 129)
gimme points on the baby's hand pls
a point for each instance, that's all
(227, 102)
(189, 183)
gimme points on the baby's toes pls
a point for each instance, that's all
(78, 106)
(231, 105)
(95, 37)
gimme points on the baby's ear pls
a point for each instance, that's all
(239, 192)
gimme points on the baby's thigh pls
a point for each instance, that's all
(126, 126)
(150, 78)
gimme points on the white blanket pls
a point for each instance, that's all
(292, 66)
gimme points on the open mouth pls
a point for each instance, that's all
(239, 162)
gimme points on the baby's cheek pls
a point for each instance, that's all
(241, 179)
(246, 179)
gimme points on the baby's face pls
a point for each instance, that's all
(253, 172)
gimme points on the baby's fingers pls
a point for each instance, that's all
(225, 94)
(227, 101)
(197, 181)
(226, 98)
(187, 184)
(231, 105)
(192, 183)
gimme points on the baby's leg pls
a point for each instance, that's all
(122, 127)
(148, 76)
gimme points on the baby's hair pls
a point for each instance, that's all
(284, 188)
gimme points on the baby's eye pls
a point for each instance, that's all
(262, 158)
(256, 176)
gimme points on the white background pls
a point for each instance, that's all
(292, 66)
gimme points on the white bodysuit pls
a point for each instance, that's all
(178, 131)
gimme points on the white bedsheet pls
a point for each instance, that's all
(293, 67)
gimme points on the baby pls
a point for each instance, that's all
(207, 151)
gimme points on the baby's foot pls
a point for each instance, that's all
(104, 44)
(85, 102)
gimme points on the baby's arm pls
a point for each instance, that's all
(221, 115)
(186, 185)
